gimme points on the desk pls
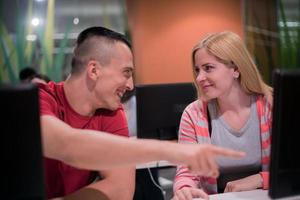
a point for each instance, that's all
(247, 195)
(161, 163)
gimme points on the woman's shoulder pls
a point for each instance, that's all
(266, 100)
(264, 104)
(195, 106)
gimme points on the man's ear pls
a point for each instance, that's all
(93, 69)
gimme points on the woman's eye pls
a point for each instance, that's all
(208, 68)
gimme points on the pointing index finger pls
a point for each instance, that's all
(228, 152)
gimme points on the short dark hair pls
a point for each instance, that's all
(100, 32)
(27, 73)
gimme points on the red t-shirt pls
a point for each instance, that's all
(62, 179)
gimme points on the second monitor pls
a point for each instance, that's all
(159, 109)
(285, 163)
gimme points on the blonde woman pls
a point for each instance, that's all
(233, 111)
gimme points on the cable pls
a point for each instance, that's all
(156, 184)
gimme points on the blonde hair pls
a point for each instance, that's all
(230, 50)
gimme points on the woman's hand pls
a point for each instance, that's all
(245, 184)
(188, 193)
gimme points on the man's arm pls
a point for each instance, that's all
(117, 184)
(82, 149)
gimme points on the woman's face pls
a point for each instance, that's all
(213, 78)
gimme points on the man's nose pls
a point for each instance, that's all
(129, 84)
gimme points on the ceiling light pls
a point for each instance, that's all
(76, 20)
(35, 21)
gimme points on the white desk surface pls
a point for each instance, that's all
(247, 195)
(161, 163)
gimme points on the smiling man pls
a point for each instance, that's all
(90, 98)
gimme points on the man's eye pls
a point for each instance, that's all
(128, 73)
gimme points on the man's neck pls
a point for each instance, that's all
(78, 96)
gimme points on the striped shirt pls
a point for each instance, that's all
(194, 129)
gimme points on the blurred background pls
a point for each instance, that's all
(41, 33)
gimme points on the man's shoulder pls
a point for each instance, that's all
(50, 90)
(50, 96)
(50, 87)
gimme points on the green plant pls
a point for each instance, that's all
(289, 44)
(17, 52)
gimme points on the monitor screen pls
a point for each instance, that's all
(21, 143)
(285, 163)
(159, 109)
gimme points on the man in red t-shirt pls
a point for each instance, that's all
(101, 73)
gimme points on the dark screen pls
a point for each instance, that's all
(21, 143)
(285, 162)
(159, 109)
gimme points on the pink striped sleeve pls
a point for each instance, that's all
(187, 134)
(265, 111)
(265, 177)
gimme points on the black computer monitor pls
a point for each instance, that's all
(159, 109)
(285, 161)
(22, 162)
